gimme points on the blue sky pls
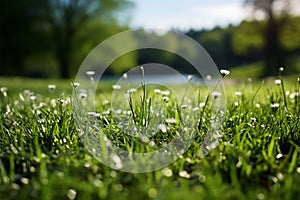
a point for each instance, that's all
(184, 14)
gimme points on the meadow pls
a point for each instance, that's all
(43, 157)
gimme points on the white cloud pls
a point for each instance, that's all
(220, 15)
(184, 15)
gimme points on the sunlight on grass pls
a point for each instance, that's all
(42, 155)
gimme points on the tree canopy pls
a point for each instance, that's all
(59, 32)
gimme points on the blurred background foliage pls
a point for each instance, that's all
(51, 38)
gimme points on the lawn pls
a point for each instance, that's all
(42, 154)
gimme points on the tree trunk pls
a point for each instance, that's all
(273, 57)
(272, 49)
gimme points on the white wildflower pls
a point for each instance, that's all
(91, 114)
(202, 104)
(152, 143)
(131, 90)
(275, 105)
(116, 87)
(51, 87)
(281, 69)
(183, 106)
(165, 99)
(166, 92)
(238, 93)
(3, 89)
(184, 174)
(82, 95)
(157, 91)
(32, 97)
(162, 128)
(125, 76)
(171, 121)
(224, 72)
(117, 161)
(195, 109)
(216, 94)
(76, 84)
(105, 102)
(277, 81)
(90, 73)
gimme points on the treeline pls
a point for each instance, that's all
(51, 38)
(239, 45)
(244, 44)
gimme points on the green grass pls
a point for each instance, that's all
(42, 156)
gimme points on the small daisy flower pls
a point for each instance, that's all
(32, 97)
(90, 73)
(105, 102)
(51, 87)
(277, 81)
(82, 95)
(281, 69)
(131, 90)
(171, 121)
(202, 104)
(183, 106)
(116, 87)
(165, 99)
(216, 94)
(3, 89)
(91, 114)
(125, 76)
(190, 77)
(166, 92)
(184, 174)
(224, 72)
(195, 109)
(238, 93)
(157, 91)
(162, 128)
(275, 105)
(76, 84)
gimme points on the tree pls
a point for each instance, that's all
(15, 28)
(65, 19)
(275, 16)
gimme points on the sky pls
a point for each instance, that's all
(186, 14)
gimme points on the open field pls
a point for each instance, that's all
(43, 157)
